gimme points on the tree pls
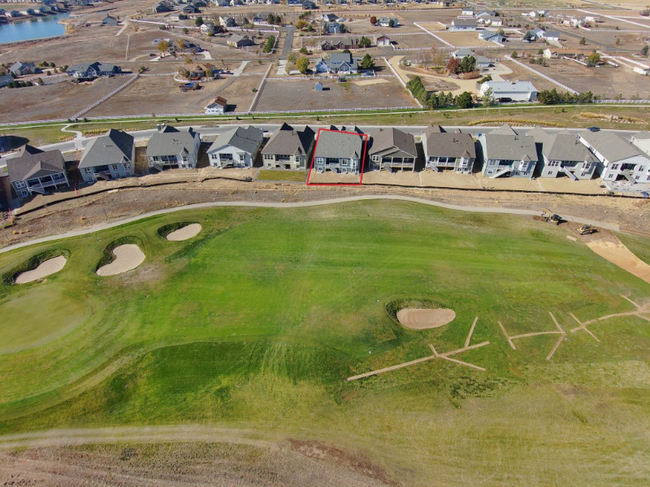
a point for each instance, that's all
(367, 62)
(142, 69)
(185, 30)
(302, 24)
(163, 46)
(268, 46)
(464, 100)
(292, 57)
(583, 41)
(514, 55)
(528, 36)
(618, 41)
(209, 73)
(467, 64)
(181, 44)
(303, 50)
(644, 51)
(183, 73)
(593, 59)
(391, 23)
(373, 20)
(302, 64)
(199, 21)
(488, 97)
(453, 65)
(364, 42)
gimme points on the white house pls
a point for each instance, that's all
(622, 160)
(238, 147)
(218, 107)
(460, 24)
(564, 155)
(505, 91)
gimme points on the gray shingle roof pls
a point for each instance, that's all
(247, 139)
(562, 146)
(383, 139)
(612, 146)
(171, 142)
(442, 144)
(510, 147)
(340, 145)
(35, 165)
(286, 140)
(111, 148)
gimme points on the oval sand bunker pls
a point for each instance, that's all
(127, 257)
(46, 268)
(185, 233)
(422, 319)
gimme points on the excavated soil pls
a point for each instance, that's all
(127, 257)
(422, 319)
(46, 268)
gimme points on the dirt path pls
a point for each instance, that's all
(299, 204)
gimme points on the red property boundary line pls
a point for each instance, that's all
(363, 159)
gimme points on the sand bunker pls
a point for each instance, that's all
(619, 254)
(46, 268)
(184, 233)
(422, 319)
(127, 257)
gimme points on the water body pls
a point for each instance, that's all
(32, 28)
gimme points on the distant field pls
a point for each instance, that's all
(258, 321)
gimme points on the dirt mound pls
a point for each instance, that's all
(422, 319)
(127, 257)
(612, 249)
(45, 269)
(184, 233)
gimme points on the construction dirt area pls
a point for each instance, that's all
(101, 205)
(360, 93)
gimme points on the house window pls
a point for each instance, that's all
(114, 166)
(23, 193)
(20, 184)
(614, 166)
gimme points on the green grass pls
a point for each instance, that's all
(270, 175)
(257, 322)
(639, 245)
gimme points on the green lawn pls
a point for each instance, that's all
(257, 322)
(271, 175)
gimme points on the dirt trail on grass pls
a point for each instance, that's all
(422, 319)
(46, 268)
(180, 455)
(609, 247)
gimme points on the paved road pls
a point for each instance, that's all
(299, 204)
(288, 42)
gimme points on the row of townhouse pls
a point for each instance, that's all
(506, 152)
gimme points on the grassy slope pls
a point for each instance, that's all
(257, 322)
(639, 245)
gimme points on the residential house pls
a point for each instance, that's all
(387, 22)
(331, 18)
(36, 171)
(170, 148)
(481, 61)
(338, 63)
(491, 36)
(162, 7)
(621, 159)
(89, 71)
(392, 149)
(333, 28)
(309, 5)
(445, 151)
(506, 91)
(22, 69)
(237, 40)
(460, 24)
(288, 148)
(562, 154)
(339, 44)
(218, 107)
(339, 152)
(467, 12)
(490, 21)
(508, 154)
(533, 35)
(111, 156)
(382, 41)
(5, 80)
(227, 22)
(642, 141)
(191, 10)
(237, 147)
(111, 21)
(207, 28)
(550, 36)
